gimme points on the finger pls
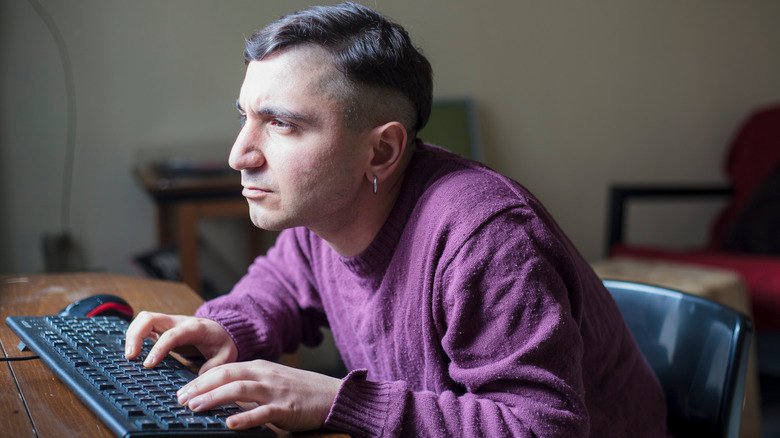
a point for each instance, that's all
(142, 327)
(241, 391)
(180, 334)
(254, 418)
(214, 378)
(206, 381)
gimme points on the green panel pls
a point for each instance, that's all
(451, 125)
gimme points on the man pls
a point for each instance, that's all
(454, 298)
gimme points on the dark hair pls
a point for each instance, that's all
(366, 47)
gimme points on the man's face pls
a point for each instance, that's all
(300, 165)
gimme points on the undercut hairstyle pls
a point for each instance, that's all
(386, 76)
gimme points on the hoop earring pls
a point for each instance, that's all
(375, 184)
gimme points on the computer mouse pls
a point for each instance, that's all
(99, 305)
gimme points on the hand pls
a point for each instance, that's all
(289, 398)
(173, 331)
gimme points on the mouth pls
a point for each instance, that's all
(252, 192)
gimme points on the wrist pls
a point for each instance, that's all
(330, 392)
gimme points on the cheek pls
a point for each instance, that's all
(316, 170)
(304, 173)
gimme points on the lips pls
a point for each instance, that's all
(253, 192)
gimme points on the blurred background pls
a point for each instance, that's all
(569, 96)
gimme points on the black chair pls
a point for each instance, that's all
(697, 348)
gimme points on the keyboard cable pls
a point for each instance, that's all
(21, 347)
(18, 358)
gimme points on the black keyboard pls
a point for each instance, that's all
(87, 354)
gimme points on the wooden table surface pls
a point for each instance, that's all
(33, 402)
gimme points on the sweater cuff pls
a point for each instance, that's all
(242, 332)
(365, 408)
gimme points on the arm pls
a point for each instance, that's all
(510, 331)
(272, 309)
(275, 306)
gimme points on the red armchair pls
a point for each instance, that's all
(745, 238)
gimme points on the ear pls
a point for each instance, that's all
(388, 144)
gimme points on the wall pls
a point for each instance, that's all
(571, 96)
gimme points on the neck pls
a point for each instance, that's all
(371, 213)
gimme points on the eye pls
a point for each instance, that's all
(241, 114)
(281, 124)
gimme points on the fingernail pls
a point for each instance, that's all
(183, 397)
(149, 360)
(232, 423)
(195, 403)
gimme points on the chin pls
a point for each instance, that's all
(266, 221)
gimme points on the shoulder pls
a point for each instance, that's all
(455, 193)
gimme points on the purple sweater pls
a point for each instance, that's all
(470, 314)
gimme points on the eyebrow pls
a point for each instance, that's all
(282, 113)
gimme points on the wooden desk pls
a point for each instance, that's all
(183, 202)
(33, 402)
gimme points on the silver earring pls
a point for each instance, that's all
(375, 184)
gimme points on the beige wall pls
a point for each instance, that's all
(572, 95)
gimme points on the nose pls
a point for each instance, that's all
(246, 153)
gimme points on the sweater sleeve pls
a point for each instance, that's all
(275, 306)
(511, 335)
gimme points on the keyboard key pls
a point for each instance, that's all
(175, 424)
(134, 412)
(192, 422)
(146, 424)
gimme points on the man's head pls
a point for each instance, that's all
(383, 76)
(331, 100)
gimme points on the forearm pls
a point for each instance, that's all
(365, 408)
(274, 307)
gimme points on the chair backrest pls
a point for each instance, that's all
(697, 348)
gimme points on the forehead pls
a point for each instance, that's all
(300, 72)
